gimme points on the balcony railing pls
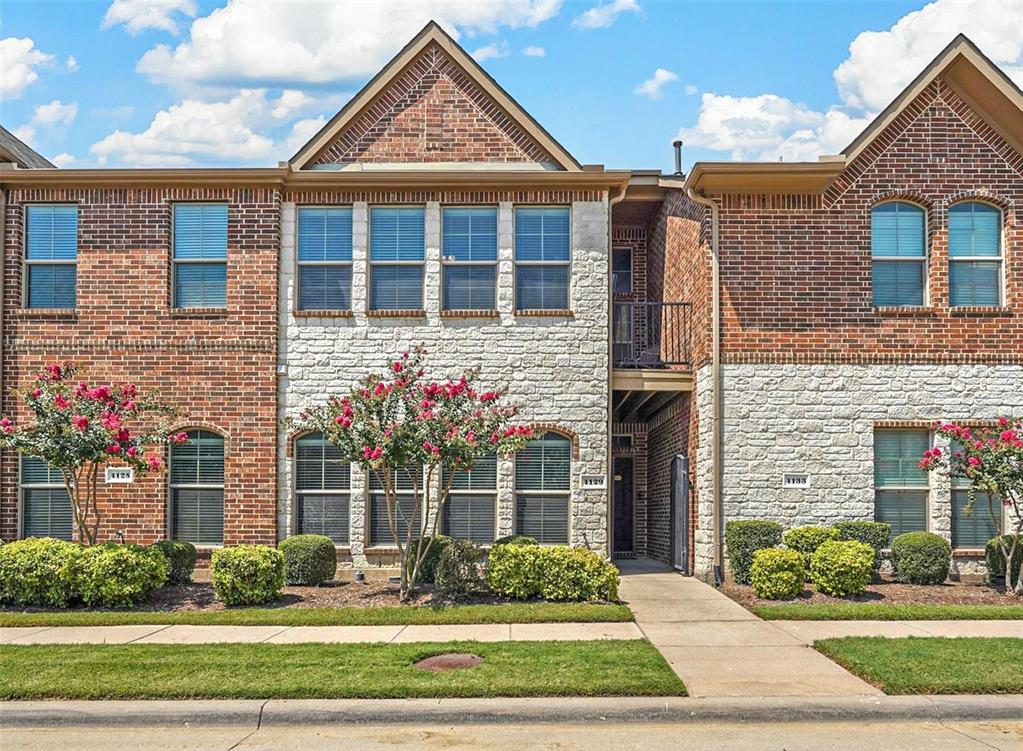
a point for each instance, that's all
(650, 334)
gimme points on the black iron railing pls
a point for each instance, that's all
(650, 334)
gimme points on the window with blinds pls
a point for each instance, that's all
(469, 239)
(397, 250)
(900, 486)
(621, 271)
(323, 485)
(45, 504)
(470, 512)
(51, 255)
(200, 255)
(542, 257)
(899, 257)
(197, 488)
(975, 254)
(402, 484)
(543, 472)
(973, 530)
(324, 258)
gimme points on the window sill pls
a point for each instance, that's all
(323, 313)
(539, 313)
(981, 311)
(898, 311)
(50, 313)
(467, 313)
(198, 312)
(396, 313)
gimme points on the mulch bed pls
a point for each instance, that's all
(885, 593)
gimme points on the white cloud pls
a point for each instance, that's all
(492, 50)
(601, 16)
(25, 133)
(533, 51)
(652, 86)
(300, 134)
(120, 112)
(20, 59)
(63, 160)
(55, 113)
(138, 15)
(691, 90)
(295, 44)
(71, 65)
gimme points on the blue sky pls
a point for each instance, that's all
(190, 82)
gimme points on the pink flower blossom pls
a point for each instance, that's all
(99, 394)
(396, 367)
(36, 393)
(177, 437)
(1008, 436)
(111, 421)
(974, 461)
(154, 463)
(60, 402)
(54, 371)
(1003, 422)
(81, 389)
(81, 422)
(6, 425)
(113, 448)
(132, 451)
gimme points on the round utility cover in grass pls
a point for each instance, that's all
(448, 662)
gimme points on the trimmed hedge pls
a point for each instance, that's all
(806, 540)
(553, 573)
(996, 561)
(921, 558)
(743, 539)
(777, 573)
(874, 534)
(510, 571)
(428, 568)
(308, 559)
(120, 576)
(458, 570)
(513, 540)
(247, 574)
(842, 567)
(181, 556)
(39, 571)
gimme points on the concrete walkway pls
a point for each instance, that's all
(322, 634)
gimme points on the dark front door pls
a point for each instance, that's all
(623, 504)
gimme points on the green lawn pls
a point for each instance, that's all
(872, 612)
(540, 612)
(932, 665)
(329, 671)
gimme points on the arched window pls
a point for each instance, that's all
(45, 505)
(322, 489)
(975, 254)
(470, 512)
(543, 483)
(899, 256)
(197, 488)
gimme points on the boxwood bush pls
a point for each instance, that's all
(842, 567)
(553, 573)
(921, 558)
(996, 561)
(806, 540)
(247, 574)
(120, 576)
(458, 570)
(428, 568)
(743, 539)
(308, 559)
(511, 571)
(181, 556)
(777, 573)
(39, 571)
(874, 534)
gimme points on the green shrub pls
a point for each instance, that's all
(181, 556)
(778, 574)
(575, 575)
(247, 574)
(743, 539)
(428, 568)
(874, 534)
(120, 576)
(458, 570)
(308, 559)
(514, 540)
(996, 561)
(39, 571)
(806, 540)
(511, 571)
(842, 567)
(921, 558)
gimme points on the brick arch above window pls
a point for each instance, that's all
(979, 196)
(187, 427)
(933, 218)
(294, 436)
(539, 428)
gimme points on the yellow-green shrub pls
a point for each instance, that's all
(778, 574)
(39, 571)
(247, 574)
(842, 567)
(120, 576)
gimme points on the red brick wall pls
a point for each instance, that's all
(671, 432)
(217, 366)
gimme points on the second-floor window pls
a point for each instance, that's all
(51, 255)
(975, 254)
(397, 251)
(542, 258)
(200, 255)
(621, 271)
(900, 486)
(324, 258)
(899, 257)
(470, 257)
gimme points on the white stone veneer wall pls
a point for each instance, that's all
(819, 420)
(555, 369)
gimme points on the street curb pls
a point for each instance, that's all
(263, 713)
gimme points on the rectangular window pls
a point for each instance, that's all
(975, 529)
(379, 525)
(621, 271)
(542, 258)
(470, 510)
(975, 254)
(45, 504)
(470, 258)
(323, 489)
(200, 255)
(51, 255)
(898, 250)
(324, 258)
(397, 251)
(542, 489)
(900, 486)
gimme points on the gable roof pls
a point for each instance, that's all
(432, 33)
(13, 149)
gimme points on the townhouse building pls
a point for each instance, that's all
(750, 340)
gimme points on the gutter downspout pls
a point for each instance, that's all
(717, 420)
(610, 376)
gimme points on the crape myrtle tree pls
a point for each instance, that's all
(992, 460)
(79, 428)
(401, 422)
